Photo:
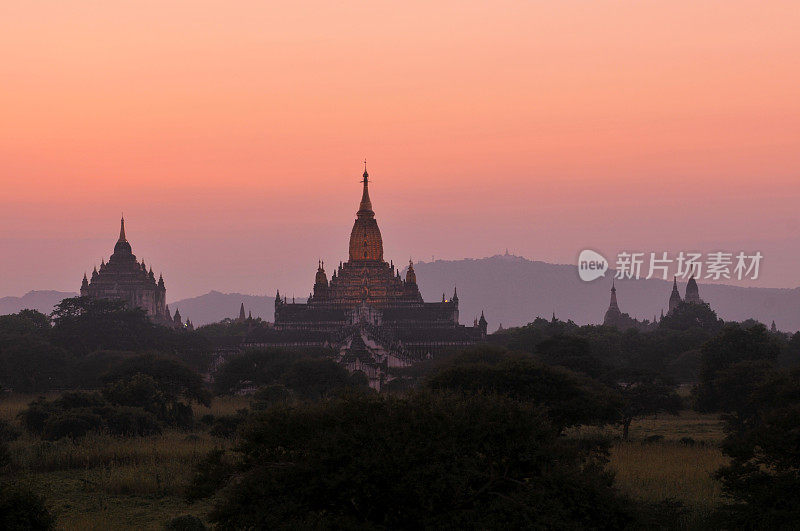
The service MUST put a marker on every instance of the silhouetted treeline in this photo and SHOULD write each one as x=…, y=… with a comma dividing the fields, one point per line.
x=82, y=339
x=471, y=438
x=672, y=350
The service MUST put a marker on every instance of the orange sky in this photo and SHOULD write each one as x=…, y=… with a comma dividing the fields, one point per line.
x=230, y=133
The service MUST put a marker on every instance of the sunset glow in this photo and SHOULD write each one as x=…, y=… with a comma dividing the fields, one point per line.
x=231, y=134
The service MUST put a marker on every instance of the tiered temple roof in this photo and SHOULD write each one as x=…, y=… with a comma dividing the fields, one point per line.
x=368, y=297
x=124, y=278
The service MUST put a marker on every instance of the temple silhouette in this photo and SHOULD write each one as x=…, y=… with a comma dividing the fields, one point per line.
x=371, y=316
x=123, y=278
x=616, y=318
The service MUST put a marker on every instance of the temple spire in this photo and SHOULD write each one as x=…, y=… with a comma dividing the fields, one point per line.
x=122, y=229
x=613, y=306
x=366, y=204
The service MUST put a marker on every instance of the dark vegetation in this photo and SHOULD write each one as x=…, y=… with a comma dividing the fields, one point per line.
x=427, y=460
x=482, y=438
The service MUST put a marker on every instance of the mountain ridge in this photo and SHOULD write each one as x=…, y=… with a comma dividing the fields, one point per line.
x=510, y=290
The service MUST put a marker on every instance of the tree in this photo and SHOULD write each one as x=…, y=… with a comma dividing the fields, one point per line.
x=174, y=379
x=32, y=364
x=21, y=509
x=733, y=345
x=692, y=315
x=305, y=375
x=315, y=378
x=74, y=414
x=367, y=461
x=85, y=324
x=571, y=352
x=643, y=394
x=569, y=399
x=162, y=386
x=763, y=477
x=253, y=368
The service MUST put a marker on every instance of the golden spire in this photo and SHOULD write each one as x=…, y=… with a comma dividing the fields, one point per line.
x=366, y=204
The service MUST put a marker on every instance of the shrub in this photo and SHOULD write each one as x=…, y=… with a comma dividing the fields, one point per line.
x=212, y=473
x=131, y=421
x=5, y=455
x=187, y=522
x=225, y=426
x=423, y=461
x=569, y=399
x=75, y=414
x=8, y=432
x=306, y=376
x=22, y=509
x=270, y=395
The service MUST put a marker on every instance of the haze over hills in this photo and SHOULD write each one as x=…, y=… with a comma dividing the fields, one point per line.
x=215, y=306
x=511, y=290
x=43, y=301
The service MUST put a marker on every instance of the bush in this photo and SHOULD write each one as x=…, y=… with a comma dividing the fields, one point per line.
x=75, y=414
x=569, y=399
x=423, y=461
x=212, y=473
x=305, y=376
x=131, y=421
x=8, y=432
x=5, y=455
x=186, y=522
x=225, y=426
x=270, y=395
x=72, y=425
x=21, y=509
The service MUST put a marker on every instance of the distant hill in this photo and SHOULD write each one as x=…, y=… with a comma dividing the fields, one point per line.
x=215, y=306
x=513, y=290
x=43, y=301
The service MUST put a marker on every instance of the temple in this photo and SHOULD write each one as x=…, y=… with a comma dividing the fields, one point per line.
x=614, y=316
x=370, y=314
x=674, y=297
x=691, y=296
x=125, y=279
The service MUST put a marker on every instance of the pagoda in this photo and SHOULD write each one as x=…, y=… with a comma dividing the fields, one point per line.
x=124, y=278
x=367, y=311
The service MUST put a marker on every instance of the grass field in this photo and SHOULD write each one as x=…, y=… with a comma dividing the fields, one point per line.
x=669, y=468
x=105, y=482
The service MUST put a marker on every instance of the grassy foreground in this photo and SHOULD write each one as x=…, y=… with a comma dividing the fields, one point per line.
x=672, y=468
x=104, y=482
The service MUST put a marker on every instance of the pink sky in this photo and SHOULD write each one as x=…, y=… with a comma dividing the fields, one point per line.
x=230, y=134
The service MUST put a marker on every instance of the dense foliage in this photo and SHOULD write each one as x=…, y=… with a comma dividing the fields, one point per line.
x=472, y=438
x=21, y=509
x=760, y=402
x=423, y=461
x=569, y=399
x=142, y=395
x=38, y=353
x=310, y=374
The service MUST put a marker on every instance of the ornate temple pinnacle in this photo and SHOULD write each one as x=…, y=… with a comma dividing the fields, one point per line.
x=122, y=230
x=366, y=205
